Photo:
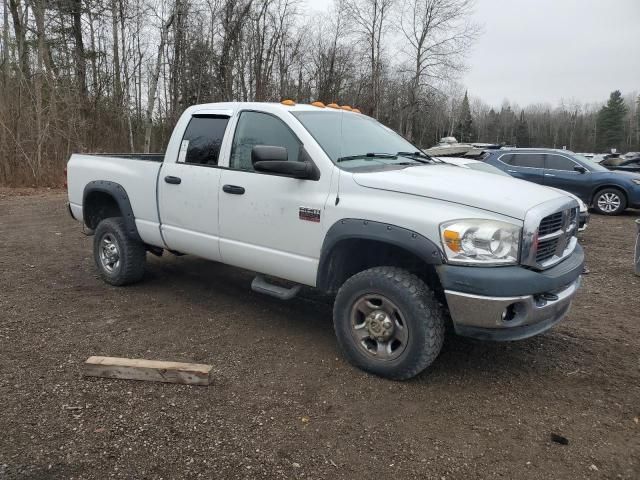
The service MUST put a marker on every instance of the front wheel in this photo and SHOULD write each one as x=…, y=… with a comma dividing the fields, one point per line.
x=388, y=322
x=120, y=259
x=610, y=201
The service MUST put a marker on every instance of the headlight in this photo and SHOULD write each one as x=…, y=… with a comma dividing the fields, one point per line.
x=485, y=242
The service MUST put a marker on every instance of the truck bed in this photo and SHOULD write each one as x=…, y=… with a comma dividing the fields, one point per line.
x=149, y=157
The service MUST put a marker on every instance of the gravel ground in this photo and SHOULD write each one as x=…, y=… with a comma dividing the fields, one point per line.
x=284, y=404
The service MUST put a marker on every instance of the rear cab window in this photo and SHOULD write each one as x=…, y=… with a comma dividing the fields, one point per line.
x=202, y=140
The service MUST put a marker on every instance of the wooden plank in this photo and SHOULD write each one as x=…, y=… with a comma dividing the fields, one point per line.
x=150, y=370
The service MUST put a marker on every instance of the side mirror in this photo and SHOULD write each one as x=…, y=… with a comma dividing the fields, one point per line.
x=270, y=159
x=580, y=169
x=268, y=153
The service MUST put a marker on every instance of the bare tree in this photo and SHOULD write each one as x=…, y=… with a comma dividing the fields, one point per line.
x=438, y=34
x=153, y=83
x=372, y=20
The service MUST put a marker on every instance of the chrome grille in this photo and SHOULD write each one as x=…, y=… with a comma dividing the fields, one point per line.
x=550, y=223
x=549, y=235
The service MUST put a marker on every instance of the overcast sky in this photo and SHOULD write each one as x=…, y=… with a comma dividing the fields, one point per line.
x=546, y=50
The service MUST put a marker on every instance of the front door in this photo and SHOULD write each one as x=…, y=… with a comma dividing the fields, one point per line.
x=188, y=189
x=270, y=223
x=559, y=172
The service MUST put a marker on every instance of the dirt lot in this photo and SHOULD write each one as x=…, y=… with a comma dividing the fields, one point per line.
x=284, y=404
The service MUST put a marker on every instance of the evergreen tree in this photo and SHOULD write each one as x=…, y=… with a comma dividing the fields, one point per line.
x=522, y=132
x=465, y=129
x=610, y=122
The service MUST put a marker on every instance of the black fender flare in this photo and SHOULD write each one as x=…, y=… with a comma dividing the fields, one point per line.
x=354, y=228
x=119, y=194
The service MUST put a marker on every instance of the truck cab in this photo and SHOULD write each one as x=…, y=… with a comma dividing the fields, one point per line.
x=326, y=197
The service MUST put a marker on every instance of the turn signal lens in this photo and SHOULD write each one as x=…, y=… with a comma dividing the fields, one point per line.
x=452, y=240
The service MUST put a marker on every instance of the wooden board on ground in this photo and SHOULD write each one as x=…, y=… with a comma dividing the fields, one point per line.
x=150, y=370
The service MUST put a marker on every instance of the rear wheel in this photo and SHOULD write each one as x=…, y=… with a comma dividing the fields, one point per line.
x=119, y=258
x=388, y=322
x=610, y=201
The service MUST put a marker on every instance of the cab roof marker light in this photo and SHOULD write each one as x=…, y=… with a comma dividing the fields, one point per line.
x=355, y=110
x=318, y=104
x=346, y=107
x=334, y=105
x=288, y=103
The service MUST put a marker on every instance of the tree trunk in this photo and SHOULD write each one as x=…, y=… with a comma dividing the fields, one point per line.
x=153, y=85
x=79, y=55
x=117, y=82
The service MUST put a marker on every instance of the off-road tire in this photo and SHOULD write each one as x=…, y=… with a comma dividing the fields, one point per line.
x=611, y=191
x=132, y=253
x=421, y=311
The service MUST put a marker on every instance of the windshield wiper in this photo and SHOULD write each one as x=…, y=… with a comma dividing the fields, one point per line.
x=419, y=157
x=366, y=156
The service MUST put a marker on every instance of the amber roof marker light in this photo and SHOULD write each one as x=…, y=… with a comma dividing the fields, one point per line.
x=333, y=105
x=346, y=107
x=318, y=104
x=288, y=103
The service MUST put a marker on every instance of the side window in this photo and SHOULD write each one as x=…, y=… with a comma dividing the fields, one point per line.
x=202, y=140
x=255, y=128
x=530, y=160
x=508, y=159
x=557, y=162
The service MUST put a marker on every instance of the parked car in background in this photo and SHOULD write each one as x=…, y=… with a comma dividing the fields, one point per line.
x=626, y=165
x=609, y=193
x=486, y=167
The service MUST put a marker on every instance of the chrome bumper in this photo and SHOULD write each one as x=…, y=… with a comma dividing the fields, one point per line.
x=509, y=318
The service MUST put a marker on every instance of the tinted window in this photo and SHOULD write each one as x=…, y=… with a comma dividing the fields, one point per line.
x=202, y=140
x=255, y=128
x=531, y=160
x=557, y=162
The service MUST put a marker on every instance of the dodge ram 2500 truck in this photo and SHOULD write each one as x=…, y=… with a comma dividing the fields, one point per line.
x=332, y=199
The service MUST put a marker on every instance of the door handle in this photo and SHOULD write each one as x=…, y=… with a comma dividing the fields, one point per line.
x=512, y=171
x=233, y=189
x=549, y=175
x=173, y=180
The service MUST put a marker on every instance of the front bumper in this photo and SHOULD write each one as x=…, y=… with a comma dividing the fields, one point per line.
x=510, y=303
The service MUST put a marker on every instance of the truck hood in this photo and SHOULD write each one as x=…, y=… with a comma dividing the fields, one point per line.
x=487, y=191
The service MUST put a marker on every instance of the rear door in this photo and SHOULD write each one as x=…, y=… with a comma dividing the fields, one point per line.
x=188, y=188
x=527, y=166
x=559, y=172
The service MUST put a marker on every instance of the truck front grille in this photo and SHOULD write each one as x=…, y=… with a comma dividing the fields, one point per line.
x=549, y=235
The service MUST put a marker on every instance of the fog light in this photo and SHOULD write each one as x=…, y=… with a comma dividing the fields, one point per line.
x=509, y=313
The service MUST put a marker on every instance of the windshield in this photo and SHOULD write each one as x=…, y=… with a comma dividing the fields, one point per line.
x=356, y=140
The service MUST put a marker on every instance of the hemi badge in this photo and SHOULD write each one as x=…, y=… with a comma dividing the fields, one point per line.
x=309, y=214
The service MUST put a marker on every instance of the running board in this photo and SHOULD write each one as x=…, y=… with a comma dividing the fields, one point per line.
x=261, y=285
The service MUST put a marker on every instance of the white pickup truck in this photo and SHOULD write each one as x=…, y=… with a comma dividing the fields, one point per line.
x=330, y=198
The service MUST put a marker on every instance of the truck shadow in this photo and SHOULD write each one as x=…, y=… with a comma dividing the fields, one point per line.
x=307, y=320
